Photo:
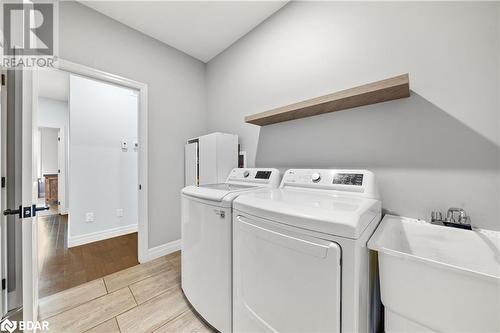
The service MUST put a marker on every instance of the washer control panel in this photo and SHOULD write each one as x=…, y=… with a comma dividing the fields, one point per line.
x=356, y=181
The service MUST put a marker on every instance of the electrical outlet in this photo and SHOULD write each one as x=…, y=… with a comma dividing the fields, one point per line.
x=119, y=212
x=89, y=217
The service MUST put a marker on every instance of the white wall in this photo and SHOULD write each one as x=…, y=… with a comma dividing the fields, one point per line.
x=103, y=176
x=176, y=100
x=436, y=149
x=52, y=113
x=48, y=151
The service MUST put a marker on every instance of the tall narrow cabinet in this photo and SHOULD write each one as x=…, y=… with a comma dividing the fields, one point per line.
x=210, y=158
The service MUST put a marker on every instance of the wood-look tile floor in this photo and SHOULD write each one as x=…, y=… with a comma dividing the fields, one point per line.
x=61, y=267
x=143, y=298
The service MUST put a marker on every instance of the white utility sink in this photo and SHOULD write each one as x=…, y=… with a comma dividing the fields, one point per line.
x=437, y=279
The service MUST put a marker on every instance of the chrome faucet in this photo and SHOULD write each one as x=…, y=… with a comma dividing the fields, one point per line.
x=462, y=222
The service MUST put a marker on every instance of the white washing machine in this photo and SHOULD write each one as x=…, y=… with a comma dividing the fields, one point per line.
x=300, y=260
x=207, y=240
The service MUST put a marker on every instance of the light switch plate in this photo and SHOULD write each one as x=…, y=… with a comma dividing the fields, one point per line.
x=119, y=212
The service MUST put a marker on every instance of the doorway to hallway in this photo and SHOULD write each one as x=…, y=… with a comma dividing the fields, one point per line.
x=88, y=176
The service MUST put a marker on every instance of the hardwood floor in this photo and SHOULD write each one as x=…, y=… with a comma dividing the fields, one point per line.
x=62, y=268
x=143, y=298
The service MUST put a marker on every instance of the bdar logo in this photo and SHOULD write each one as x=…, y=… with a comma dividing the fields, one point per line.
x=8, y=325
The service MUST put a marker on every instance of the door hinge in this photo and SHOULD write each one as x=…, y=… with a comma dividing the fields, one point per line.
x=140, y=187
x=4, y=284
x=58, y=170
x=3, y=182
x=3, y=79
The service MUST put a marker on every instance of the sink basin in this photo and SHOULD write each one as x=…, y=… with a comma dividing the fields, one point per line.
x=437, y=279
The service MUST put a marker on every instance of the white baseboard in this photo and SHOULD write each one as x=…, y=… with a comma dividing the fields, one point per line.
x=162, y=250
x=101, y=235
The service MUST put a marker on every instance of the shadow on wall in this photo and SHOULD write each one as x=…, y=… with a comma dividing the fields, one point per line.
x=406, y=133
x=424, y=159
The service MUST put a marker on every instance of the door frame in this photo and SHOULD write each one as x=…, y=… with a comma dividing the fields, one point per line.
x=142, y=128
x=3, y=192
x=29, y=195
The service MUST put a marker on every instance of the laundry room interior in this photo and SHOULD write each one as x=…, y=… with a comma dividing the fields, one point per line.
x=294, y=166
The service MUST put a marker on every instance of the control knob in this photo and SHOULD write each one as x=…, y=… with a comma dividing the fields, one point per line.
x=246, y=173
x=316, y=177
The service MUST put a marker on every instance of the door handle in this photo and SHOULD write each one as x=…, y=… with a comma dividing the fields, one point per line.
x=35, y=209
x=26, y=212
x=18, y=212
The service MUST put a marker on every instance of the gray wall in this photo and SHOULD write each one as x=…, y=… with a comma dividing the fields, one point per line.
x=436, y=149
x=176, y=100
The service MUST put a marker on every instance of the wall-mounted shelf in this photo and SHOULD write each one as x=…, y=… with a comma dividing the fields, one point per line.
x=376, y=92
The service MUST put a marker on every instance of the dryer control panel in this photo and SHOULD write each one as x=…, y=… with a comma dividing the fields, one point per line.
x=360, y=182
x=255, y=176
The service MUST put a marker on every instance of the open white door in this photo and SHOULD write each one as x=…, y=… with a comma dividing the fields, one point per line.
x=18, y=121
x=18, y=166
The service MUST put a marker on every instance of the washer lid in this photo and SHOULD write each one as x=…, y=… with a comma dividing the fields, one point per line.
x=316, y=210
x=214, y=192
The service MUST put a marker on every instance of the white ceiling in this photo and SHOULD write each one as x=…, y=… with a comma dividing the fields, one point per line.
x=53, y=84
x=201, y=29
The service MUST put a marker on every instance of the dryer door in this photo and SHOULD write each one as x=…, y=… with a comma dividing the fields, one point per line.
x=206, y=261
x=283, y=281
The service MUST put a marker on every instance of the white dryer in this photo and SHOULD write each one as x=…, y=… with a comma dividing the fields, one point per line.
x=207, y=240
x=300, y=260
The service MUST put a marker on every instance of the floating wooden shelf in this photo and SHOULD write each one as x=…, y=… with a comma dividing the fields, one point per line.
x=371, y=93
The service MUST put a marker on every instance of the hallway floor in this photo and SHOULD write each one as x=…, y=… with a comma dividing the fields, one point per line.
x=61, y=267
x=143, y=298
